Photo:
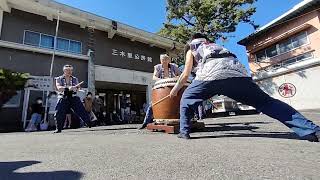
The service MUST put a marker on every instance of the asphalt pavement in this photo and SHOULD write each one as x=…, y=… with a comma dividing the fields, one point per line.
x=238, y=147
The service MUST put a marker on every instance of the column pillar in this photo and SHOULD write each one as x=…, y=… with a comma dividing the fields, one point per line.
x=1, y=20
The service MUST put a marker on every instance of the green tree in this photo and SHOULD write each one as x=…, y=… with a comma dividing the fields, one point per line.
x=215, y=18
x=10, y=83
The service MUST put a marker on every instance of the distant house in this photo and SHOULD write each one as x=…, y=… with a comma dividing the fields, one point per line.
x=284, y=56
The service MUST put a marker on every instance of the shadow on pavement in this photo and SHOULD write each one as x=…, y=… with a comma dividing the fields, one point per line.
x=7, y=172
x=243, y=123
x=248, y=126
x=229, y=128
x=279, y=135
x=93, y=129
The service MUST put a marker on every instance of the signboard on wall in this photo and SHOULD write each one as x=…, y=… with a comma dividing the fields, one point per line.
x=40, y=83
x=131, y=55
x=124, y=53
x=287, y=90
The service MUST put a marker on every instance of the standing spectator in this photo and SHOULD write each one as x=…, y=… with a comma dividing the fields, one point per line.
x=67, y=121
x=133, y=112
x=123, y=105
x=208, y=108
x=52, y=103
x=36, y=115
x=97, y=109
x=88, y=102
x=144, y=107
x=200, y=111
x=88, y=105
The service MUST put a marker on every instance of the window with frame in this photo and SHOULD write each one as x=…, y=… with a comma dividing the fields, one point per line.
x=47, y=41
x=31, y=38
x=291, y=61
x=272, y=51
x=299, y=40
x=261, y=55
x=282, y=47
x=285, y=46
x=63, y=44
x=75, y=47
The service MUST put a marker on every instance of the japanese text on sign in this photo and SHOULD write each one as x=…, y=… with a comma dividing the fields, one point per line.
x=130, y=55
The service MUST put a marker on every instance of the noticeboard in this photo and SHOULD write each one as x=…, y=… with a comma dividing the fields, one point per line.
x=40, y=83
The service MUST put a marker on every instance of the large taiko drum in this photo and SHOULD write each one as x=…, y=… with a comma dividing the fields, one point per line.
x=166, y=108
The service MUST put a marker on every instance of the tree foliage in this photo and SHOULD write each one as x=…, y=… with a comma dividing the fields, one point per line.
x=215, y=18
x=10, y=83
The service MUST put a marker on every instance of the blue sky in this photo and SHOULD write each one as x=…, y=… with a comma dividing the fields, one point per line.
x=149, y=15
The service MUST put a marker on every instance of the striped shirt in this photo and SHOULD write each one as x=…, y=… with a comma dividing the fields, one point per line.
x=209, y=69
x=173, y=70
x=63, y=82
x=220, y=68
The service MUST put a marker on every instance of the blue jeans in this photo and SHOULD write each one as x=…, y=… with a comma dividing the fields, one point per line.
x=36, y=118
x=63, y=107
x=149, y=116
x=246, y=91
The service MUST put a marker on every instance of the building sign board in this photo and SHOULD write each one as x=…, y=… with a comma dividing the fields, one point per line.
x=130, y=55
x=40, y=83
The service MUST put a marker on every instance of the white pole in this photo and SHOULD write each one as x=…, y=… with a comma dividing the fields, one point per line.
x=25, y=107
x=52, y=62
x=55, y=44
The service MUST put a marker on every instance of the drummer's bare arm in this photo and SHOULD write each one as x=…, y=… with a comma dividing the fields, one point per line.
x=185, y=74
x=59, y=87
x=154, y=77
x=188, y=68
x=77, y=87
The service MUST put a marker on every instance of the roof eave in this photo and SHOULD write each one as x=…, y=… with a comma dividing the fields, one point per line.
x=50, y=9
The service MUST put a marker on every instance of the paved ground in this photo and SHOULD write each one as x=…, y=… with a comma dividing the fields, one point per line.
x=246, y=147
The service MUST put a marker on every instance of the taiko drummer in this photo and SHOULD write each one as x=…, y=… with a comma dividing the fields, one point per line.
x=161, y=71
x=218, y=71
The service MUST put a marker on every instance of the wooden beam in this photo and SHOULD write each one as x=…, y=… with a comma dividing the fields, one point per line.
x=4, y=6
x=111, y=33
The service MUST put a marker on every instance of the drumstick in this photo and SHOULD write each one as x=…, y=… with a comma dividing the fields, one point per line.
x=79, y=84
x=160, y=100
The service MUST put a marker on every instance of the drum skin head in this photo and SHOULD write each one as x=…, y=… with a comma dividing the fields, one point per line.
x=170, y=107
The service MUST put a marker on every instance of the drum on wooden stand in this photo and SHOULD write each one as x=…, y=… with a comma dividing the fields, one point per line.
x=166, y=108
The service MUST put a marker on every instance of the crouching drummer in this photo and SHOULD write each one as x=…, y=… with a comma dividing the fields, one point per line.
x=161, y=71
x=67, y=86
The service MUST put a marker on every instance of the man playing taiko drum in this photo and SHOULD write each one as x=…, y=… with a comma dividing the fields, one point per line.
x=161, y=71
x=218, y=71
